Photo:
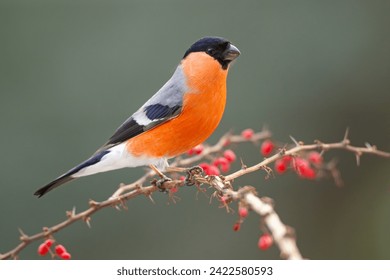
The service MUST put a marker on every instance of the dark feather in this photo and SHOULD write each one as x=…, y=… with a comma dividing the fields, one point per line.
x=57, y=182
x=157, y=113
x=127, y=130
x=68, y=175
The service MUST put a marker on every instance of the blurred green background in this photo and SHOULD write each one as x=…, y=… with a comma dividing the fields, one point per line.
x=72, y=71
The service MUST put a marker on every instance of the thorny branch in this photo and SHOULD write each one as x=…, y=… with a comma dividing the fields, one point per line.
x=223, y=185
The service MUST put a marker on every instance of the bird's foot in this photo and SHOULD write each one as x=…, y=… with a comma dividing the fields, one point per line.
x=191, y=173
x=160, y=183
x=163, y=178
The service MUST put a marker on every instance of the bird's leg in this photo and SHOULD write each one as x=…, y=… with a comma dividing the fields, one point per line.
x=160, y=183
x=163, y=178
x=191, y=172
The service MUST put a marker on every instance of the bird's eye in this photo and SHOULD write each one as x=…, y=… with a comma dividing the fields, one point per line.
x=210, y=51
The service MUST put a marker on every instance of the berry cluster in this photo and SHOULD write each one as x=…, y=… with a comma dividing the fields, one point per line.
x=218, y=165
x=305, y=165
x=59, y=249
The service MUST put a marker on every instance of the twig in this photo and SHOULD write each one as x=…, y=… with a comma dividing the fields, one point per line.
x=85, y=215
x=282, y=234
x=344, y=145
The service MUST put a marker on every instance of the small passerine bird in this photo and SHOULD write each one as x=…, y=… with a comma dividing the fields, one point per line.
x=181, y=115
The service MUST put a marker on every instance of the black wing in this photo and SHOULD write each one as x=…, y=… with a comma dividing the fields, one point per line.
x=155, y=114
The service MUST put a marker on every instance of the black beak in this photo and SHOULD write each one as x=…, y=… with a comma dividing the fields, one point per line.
x=231, y=53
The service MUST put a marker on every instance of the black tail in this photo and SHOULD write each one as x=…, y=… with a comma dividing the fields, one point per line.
x=68, y=175
x=57, y=182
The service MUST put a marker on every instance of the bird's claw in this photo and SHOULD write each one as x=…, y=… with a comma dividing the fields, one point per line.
x=159, y=183
x=195, y=170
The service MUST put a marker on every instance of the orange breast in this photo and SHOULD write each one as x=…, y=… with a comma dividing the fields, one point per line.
x=203, y=107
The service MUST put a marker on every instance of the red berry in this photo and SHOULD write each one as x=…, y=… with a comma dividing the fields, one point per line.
x=222, y=163
x=236, y=226
x=60, y=250
x=247, y=133
x=225, y=167
x=205, y=166
x=243, y=212
x=65, y=256
x=229, y=155
x=49, y=242
x=212, y=170
x=299, y=164
x=302, y=167
x=287, y=159
x=280, y=166
x=197, y=150
x=267, y=147
x=43, y=249
x=265, y=241
x=315, y=157
x=308, y=173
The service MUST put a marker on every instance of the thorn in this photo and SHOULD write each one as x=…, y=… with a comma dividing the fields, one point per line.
x=93, y=203
x=243, y=165
x=369, y=146
x=282, y=151
x=87, y=221
x=23, y=236
x=70, y=214
x=346, y=135
x=295, y=141
x=151, y=199
x=357, y=159
x=124, y=205
x=268, y=170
